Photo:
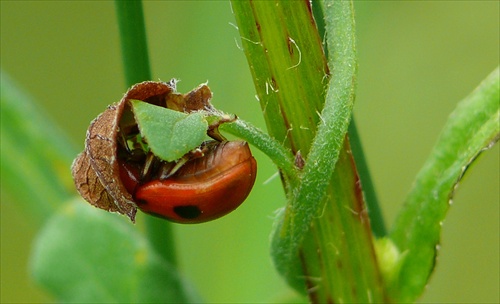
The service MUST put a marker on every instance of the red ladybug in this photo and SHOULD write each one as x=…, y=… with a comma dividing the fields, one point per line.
x=203, y=189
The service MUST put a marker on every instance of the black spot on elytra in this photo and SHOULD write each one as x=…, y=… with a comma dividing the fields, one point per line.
x=187, y=212
x=141, y=202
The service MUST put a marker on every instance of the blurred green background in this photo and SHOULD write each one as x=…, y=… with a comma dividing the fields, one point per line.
x=416, y=61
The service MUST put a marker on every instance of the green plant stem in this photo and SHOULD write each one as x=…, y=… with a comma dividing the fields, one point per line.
x=322, y=242
x=374, y=212
x=281, y=156
x=133, y=41
x=136, y=64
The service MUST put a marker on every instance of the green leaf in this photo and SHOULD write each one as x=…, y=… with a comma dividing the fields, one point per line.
x=472, y=128
x=35, y=156
x=85, y=255
x=170, y=134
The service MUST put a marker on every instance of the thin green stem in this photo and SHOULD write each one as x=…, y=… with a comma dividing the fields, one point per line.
x=374, y=212
x=133, y=41
x=281, y=156
x=136, y=63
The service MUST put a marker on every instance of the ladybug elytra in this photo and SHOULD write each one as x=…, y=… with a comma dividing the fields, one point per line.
x=202, y=189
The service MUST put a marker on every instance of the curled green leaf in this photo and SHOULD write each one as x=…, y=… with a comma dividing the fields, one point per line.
x=472, y=128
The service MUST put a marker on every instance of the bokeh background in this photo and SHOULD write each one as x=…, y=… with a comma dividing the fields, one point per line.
x=416, y=61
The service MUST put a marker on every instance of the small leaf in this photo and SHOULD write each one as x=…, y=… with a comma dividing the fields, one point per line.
x=170, y=134
x=85, y=255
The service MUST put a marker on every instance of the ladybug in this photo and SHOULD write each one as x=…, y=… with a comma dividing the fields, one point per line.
x=203, y=189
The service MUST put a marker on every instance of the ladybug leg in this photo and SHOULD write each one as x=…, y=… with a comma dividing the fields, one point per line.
x=123, y=141
x=168, y=169
x=150, y=164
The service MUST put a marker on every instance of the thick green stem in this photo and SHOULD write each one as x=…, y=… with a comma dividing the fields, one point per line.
x=322, y=242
